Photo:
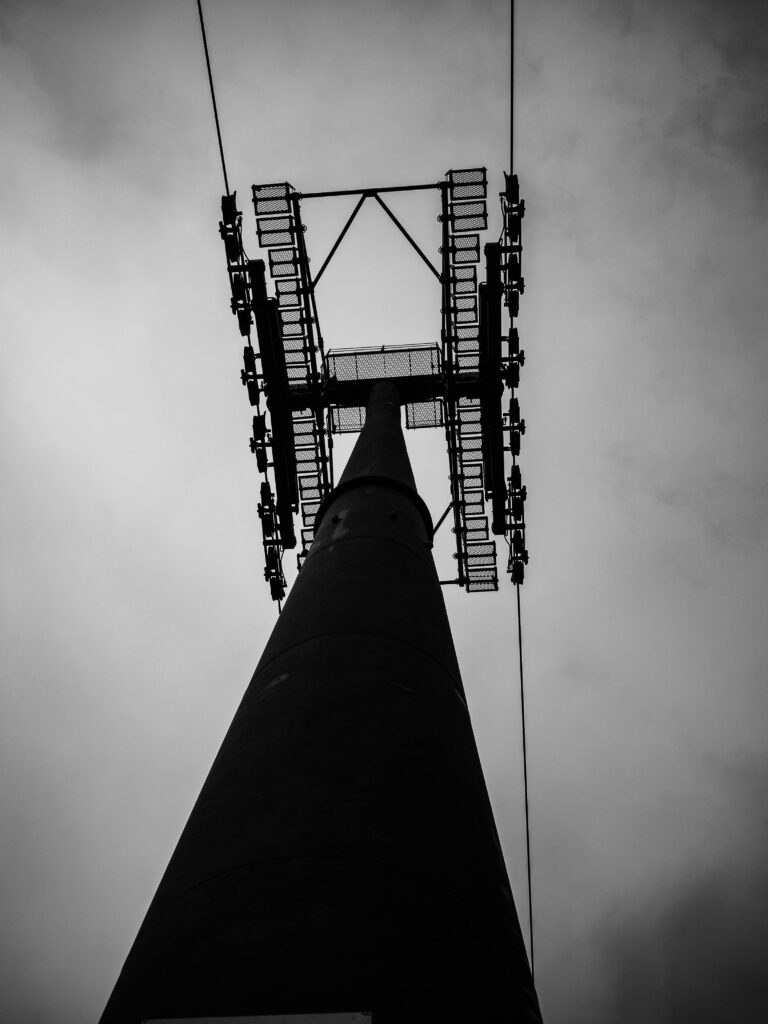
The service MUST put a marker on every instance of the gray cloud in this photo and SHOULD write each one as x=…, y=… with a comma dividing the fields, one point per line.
x=696, y=959
x=716, y=110
x=136, y=118
x=133, y=611
x=696, y=951
x=689, y=947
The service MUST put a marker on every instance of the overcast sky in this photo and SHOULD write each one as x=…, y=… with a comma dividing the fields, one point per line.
x=133, y=608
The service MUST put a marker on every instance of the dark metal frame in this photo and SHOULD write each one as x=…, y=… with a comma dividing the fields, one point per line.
x=368, y=193
x=291, y=372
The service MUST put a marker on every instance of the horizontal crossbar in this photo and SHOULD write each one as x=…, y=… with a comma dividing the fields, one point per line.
x=349, y=393
x=371, y=191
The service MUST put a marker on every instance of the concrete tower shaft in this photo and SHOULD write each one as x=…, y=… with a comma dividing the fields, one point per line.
x=342, y=854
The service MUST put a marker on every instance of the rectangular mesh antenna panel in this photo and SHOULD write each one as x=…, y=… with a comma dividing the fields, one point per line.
x=347, y=421
x=268, y=237
x=465, y=309
x=272, y=207
x=283, y=263
x=467, y=333
x=462, y=274
x=473, y=503
x=460, y=211
x=305, y=458
x=309, y=489
x=466, y=185
x=476, y=528
x=467, y=176
x=293, y=332
x=288, y=293
x=468, y=362
x=272, y=200
x=473, y=474
x=309, y=511
x=459, y=193
x=465, y=248
x=482, y=582
x=293, y=345
x=469, y=216
x=465, y=302
x=292, y=315
x=482, y=551
x=424, y=414
x=466, y=285
x=467, y=345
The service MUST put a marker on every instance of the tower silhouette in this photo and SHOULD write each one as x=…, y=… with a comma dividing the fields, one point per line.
x=342, y=855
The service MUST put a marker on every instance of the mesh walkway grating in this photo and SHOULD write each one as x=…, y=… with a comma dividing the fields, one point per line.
x=380, y=363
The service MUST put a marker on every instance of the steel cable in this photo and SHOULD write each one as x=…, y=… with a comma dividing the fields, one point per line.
x=213, y=94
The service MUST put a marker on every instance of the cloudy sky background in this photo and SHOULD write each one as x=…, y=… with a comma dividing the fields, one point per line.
x=133, y=609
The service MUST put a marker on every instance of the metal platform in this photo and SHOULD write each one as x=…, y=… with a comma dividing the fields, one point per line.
x=415, y=369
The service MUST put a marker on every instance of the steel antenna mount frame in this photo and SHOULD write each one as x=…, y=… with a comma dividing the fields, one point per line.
x=302, y=395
